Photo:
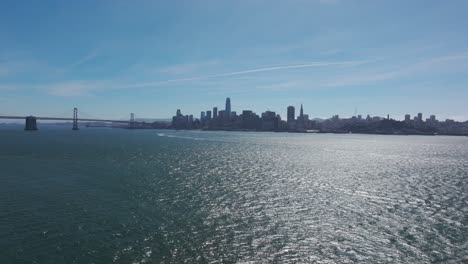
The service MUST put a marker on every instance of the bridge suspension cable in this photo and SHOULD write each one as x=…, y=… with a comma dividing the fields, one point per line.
x=68, y=113
x=86, y=115
x=131, y=117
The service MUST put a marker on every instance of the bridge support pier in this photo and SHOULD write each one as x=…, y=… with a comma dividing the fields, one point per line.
x=132, y=120
x=31, y=124
x=75, y=119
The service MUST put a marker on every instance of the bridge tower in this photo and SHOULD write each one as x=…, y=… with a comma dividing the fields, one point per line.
x=132, y=120
x=75, y=119
x=31, y=124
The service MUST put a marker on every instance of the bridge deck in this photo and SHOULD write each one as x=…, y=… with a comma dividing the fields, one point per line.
x=68, y=119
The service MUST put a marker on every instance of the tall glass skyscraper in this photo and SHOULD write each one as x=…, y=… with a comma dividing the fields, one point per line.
x=228, y=106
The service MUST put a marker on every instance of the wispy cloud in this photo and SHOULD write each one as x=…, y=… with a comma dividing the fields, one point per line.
x=373, y=75
x=6, y=87
x=10, y=68
x=357, y=72
x=328, y=1
x=90, y=56
x=75, y=88
x=286, y=67
x=253, y=71
x=188, y=68
x=69, y=67
x=30, y=66
x=88, y=87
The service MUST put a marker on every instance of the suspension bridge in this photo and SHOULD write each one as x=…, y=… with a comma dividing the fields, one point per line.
x=31, y=121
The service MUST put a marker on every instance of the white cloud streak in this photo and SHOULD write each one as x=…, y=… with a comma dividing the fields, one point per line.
x=369, y=74
x=86, y=88
x=328, y=1
x=10, y=68
x=373, y=75
x=252, y=71
x=84, y=59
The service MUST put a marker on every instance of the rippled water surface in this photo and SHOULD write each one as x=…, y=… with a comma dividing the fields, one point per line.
x=146, y=196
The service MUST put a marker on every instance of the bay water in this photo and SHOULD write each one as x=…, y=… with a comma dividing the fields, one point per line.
x=160, y=196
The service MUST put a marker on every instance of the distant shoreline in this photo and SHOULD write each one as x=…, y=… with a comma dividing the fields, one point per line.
x=390, y=133
x=324, y=132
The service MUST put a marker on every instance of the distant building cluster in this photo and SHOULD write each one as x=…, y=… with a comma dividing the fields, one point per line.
x=248, y=120
x=387, y=125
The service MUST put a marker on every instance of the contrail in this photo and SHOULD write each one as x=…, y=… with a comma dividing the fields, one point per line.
x=297, y=66
x=264, y=69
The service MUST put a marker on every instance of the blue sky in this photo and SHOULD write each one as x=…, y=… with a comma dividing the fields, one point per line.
x=110, y=58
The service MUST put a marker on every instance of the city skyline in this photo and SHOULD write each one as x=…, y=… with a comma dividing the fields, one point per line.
x=291, y=114
x=113, y=58
x=248, y=120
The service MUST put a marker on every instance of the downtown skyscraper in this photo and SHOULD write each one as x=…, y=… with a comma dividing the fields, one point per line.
x=227, y=110
x=228, y=106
